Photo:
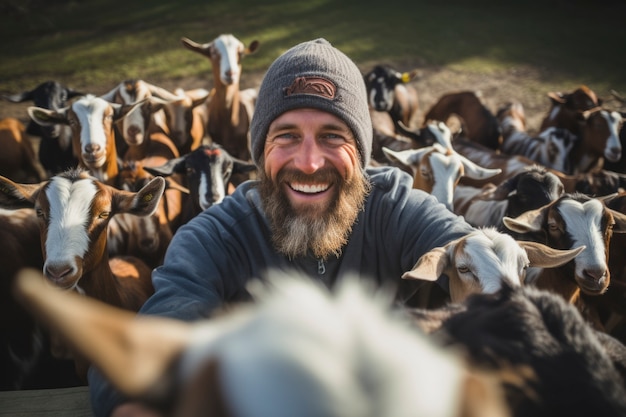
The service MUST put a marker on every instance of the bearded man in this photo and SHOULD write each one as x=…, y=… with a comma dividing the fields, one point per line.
x=317, y=208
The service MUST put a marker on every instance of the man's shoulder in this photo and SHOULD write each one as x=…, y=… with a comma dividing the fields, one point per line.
x=387, y=178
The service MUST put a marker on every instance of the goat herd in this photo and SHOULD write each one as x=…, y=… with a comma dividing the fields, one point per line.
x=533, y=324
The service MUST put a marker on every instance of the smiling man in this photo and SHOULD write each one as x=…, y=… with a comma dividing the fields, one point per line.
x=317, y=207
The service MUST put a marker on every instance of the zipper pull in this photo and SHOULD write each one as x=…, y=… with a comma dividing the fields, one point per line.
x=321, y=268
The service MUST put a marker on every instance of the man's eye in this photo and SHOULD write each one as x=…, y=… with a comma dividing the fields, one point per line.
x=334, y=139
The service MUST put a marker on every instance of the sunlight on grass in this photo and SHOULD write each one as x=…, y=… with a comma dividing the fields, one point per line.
x=91, y=43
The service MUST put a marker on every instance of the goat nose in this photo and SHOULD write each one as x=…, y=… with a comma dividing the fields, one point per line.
x=92, y=148
x=595, y=274
x=57, y=272
x=133, y=130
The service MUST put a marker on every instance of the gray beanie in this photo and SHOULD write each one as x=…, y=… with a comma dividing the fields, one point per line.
x=315, y=75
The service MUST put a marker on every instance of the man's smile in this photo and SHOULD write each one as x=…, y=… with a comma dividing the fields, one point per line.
x=309, y=188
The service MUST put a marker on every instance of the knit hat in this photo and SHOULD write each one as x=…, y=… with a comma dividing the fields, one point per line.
x=315, y=75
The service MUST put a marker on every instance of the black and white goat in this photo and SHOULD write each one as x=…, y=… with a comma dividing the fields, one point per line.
x=550, y=360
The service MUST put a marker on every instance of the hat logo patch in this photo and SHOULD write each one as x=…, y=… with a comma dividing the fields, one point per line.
x=312, y=85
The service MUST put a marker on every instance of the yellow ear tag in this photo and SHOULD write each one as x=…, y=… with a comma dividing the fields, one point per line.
x=147, y=197
x=406, y=77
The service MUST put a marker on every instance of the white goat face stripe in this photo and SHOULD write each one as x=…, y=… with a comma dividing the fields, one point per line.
x=70, y=211
x=445, y=171
x=229, y=47
x=613, y=119
x=90, y=112
x=583, y=223
x=217, y=190
x=494, y=258
x=134, y=118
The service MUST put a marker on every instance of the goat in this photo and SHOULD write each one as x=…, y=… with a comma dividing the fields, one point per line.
x=17, y=160
x=597, y=139
x=478, y=124
x=570, y=221
x=404, y=139
x=566, y=108
x=551, y=361
x=93, y=138
x=594, y=183
x=437, y=170
x=145, y=237
x=74, y=210
x=315, y=353
x=486, y=206
x=552, y=148
x=185, y=118
x=132, y=91
x=151, y=146
x=55, y=147
x=389, y=91
x=25, y=357
x=229, y=109
x=483, y=261
x=207, y=172
x=612, y=310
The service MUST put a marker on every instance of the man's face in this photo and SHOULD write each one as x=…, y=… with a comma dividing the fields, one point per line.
x=312, y=185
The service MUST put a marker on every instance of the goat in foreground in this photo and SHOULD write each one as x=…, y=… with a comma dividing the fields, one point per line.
x=315, y=354
x=561, y=365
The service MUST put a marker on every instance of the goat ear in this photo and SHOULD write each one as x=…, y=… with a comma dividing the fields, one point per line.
x=195, y=46
x=530, y=221
x=15, y=196
x=429, y=266
x=147, y=199
x=253, y=47
x=242, y=166
x=557, y=97
x=408, y=157
x=133, y=353
x=142, y=203
x=173, y=166
x=620, y=221
x=46, y=117
x=543, y=256
x=476, y=171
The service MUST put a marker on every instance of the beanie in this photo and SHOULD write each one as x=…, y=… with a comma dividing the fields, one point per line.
x=313, y=74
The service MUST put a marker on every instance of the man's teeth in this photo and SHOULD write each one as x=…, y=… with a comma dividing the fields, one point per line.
x=311, y=189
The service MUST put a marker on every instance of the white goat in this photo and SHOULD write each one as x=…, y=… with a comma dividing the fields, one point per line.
x=483, y=260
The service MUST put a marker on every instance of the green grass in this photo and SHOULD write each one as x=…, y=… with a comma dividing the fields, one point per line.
x=97, y=43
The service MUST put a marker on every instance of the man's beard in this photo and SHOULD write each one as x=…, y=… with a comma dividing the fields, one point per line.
x=322, y=230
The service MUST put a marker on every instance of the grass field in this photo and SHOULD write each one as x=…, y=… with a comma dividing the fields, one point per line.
x=533, y=46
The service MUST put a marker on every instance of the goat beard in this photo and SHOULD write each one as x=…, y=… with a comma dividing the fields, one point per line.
x=322, y=230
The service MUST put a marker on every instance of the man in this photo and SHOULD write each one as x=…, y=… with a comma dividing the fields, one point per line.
x=315, y=209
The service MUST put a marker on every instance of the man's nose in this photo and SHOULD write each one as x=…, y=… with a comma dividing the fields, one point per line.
x=310, y=156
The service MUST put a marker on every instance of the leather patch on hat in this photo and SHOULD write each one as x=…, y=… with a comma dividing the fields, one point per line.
x=312, y=85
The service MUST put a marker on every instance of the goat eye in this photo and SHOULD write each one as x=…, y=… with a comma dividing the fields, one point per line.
x=40, y=213
x=463, y=269
x=104, y=215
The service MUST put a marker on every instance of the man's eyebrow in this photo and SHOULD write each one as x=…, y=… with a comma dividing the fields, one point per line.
x=282, y=126
x=336, y=126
